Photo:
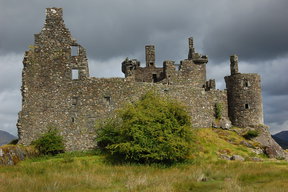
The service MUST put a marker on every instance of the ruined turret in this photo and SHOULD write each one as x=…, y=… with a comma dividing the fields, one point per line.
x=194, y=68
x=244, y=96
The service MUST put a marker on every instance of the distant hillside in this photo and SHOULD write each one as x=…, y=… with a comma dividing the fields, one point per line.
x=282, y=139
x=6, y=137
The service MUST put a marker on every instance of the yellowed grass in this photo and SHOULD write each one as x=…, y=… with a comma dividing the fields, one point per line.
x=90, y=174
x=206, y=173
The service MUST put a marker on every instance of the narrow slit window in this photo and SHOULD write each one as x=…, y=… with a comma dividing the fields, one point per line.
x=107, y=99
x=247, y=106
x=74, y=50
x=72, y=119
x=247, y=84
x=75, y=74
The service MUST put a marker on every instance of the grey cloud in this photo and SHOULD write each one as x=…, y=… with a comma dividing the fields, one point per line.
x=112, y=30
x=277, y=127
x=10, y=73
x=10, y=105
x=276, y=108
x=255, y=30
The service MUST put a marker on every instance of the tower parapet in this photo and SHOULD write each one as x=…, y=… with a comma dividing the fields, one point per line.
x=244, y=96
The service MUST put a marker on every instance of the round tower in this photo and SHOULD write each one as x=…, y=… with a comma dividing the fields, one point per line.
x=245, y=106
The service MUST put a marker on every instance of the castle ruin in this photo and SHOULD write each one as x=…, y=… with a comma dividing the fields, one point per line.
x=58, y=92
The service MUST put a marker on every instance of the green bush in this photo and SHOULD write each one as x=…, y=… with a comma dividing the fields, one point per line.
x=50, y=143
x=251, y=134
x=152, y=130
x=218, y=110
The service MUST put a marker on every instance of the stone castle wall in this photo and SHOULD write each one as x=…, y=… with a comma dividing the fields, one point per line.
x=76, y=107
x=58, y=92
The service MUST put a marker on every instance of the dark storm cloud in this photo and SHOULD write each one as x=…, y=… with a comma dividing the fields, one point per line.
x=276, y=109
x=255, y=30
x=106, y=28
x=111, y=30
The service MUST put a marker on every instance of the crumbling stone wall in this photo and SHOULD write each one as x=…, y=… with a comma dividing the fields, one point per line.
x=58, y=92
x=191, y=71
x=98, y=98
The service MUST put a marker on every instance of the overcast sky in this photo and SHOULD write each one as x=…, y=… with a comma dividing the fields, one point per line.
x=111, y=30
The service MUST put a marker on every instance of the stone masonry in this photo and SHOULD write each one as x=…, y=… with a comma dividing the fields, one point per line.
x=58, y=92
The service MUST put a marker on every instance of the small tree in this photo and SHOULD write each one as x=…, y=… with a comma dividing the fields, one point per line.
x=50, y=143
x=152, y=130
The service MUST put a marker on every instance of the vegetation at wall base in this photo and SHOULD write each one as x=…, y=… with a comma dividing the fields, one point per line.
x=218, y=110
x=151, y=130
x=50, y=143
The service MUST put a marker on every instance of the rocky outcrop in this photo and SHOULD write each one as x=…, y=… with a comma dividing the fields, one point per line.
x=222, y=123
x=12, y=154
x=269, y=146
x=237, y=158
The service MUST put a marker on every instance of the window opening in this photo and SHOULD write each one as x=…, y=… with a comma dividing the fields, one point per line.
x=154, y=77
x=246, y=84
x=72, y=119
x=247, y=106
x=74, y=50
x=107, y=99
x=75, y=74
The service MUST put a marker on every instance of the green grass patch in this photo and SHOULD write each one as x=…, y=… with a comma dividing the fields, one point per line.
x=89, y=171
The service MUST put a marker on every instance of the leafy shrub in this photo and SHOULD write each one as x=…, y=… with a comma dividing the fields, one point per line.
x=50, y=143
x=218, y=110
x=251, y=134
x=152, y=130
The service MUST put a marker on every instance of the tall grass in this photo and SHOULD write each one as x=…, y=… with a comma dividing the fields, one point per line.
x=92, y=173
x=86, y=172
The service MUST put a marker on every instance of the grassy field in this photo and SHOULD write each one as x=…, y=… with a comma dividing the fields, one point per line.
x=204, y=172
